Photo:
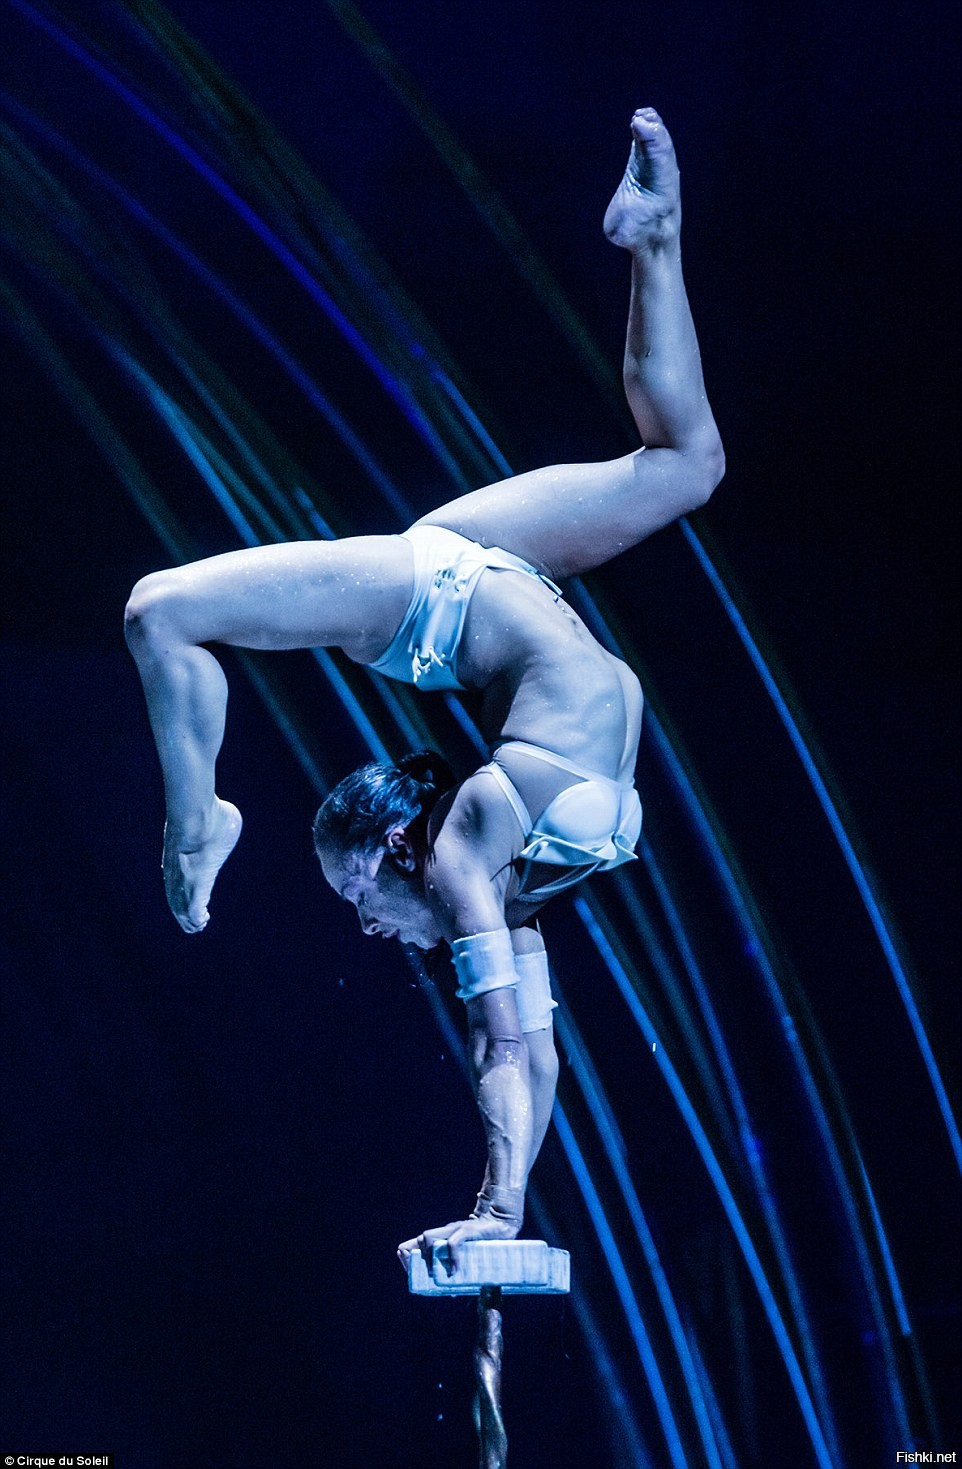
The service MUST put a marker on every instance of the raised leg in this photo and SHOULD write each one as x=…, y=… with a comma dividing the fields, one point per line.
x=351, y=594
x=569, y=518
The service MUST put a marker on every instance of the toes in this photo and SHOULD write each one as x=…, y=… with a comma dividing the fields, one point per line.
x=648, y=131
x=646, y=120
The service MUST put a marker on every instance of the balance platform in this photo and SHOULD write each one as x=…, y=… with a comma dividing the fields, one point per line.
x=520, y=1267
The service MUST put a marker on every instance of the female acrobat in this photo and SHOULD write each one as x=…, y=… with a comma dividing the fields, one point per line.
x=466, y=598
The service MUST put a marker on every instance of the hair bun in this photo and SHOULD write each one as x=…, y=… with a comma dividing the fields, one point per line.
x=428, y=768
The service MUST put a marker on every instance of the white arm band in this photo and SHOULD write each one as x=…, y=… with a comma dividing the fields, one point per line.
x=484, y=962
x=533, y=991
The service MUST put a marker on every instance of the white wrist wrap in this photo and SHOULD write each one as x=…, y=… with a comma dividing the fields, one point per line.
x=484, y=962
x=533, y=991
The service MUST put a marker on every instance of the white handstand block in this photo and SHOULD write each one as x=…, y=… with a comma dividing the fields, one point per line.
x=518, y=1267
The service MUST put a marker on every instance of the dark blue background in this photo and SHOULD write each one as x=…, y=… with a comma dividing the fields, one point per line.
x=216, y=1144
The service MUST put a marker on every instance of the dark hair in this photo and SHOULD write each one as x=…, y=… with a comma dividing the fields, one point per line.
x=362, y=808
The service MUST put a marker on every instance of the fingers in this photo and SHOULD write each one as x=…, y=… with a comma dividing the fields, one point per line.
x=445, y=1240
x=430, y=1240
x=406, y=1250
x=449, y=1239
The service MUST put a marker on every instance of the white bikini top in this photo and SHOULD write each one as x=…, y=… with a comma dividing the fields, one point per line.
x=594, y=824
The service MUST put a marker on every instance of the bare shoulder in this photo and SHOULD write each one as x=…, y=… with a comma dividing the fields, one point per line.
x=470, y=878
x=474, y=824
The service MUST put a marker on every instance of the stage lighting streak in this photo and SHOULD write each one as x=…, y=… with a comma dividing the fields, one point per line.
x=898, y=1299
x=608, y=1131
x=673, y=990
x=374, y=285
x=298, y=374
x=905, y=1326
x=224, y=481
x=717, y=1176
x=749, y=1147
x=397, y=390
x=622, y=1284
x=144, y=494
x=483, y=196
x=97, y=423
x=340, y=685
x=756, y=949
x=471, y=418
x=870, y=900
x=176, y=422
x=725, y=1446
x=467, y=724
x=189, y=437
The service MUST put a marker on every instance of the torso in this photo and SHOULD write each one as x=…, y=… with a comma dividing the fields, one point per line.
x=543, y=679
x=546, y=681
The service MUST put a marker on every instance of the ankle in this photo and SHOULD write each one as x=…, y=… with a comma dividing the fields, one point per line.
x=661, y=238
x=187, y=830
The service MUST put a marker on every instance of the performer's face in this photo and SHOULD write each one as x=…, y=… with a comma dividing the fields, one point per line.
x=387, y=890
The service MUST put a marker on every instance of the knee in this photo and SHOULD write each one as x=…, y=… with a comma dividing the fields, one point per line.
x=149, y=609
x=710, y=472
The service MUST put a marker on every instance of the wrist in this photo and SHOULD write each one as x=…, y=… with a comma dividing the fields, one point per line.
x=506, y=1205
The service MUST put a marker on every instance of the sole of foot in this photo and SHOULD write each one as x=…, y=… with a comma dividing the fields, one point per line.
x=646, y=208
x=190, y=873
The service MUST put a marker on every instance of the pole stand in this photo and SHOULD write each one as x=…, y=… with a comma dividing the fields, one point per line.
x=490, y=1269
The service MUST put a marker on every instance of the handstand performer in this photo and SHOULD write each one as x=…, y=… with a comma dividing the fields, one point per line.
x=464, y=599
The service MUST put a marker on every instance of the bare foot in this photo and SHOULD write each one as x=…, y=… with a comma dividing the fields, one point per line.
x=646, y=208
x=190, y=869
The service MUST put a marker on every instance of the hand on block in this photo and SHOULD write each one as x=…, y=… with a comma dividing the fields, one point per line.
x=454, y=1235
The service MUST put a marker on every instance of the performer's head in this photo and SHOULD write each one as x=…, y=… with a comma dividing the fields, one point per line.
x=371, y=837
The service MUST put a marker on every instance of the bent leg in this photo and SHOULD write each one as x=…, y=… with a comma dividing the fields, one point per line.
x=568, y=519
x=350, y=594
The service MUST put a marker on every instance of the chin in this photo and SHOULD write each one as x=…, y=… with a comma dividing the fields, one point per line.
x=420, y=941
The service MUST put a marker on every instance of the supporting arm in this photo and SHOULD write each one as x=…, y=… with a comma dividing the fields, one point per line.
x=502, y=1085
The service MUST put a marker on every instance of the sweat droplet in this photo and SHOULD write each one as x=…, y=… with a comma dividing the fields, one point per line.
x=654, y=1044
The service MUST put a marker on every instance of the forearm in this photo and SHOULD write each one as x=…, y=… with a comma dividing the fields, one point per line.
x=662, y=368
x=543, y=1079
x=506, y=1104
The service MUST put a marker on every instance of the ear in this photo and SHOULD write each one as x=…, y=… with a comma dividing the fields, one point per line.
x=399, y=850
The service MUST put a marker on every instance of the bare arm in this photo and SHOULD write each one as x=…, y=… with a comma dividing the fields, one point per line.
x=514, y=1098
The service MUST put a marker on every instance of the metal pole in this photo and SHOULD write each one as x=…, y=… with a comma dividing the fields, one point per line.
x=492, y=1439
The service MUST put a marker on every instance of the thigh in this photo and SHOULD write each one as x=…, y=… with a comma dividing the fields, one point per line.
x=569, y=518
x=350, y=594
